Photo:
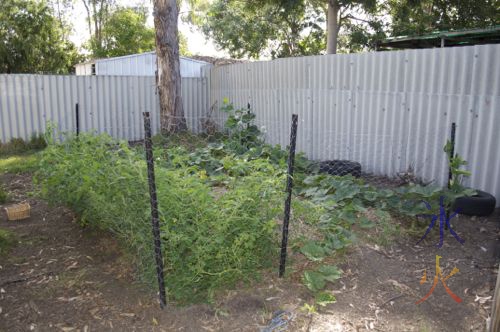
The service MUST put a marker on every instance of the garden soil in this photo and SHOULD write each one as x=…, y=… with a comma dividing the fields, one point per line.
x=62, y=277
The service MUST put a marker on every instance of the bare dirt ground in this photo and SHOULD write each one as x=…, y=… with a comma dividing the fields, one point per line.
x=61, y=277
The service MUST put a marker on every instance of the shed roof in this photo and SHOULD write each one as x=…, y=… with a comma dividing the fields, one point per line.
x=467, y=37
x=137, y=55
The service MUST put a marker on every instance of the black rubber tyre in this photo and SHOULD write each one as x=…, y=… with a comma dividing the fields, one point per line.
x=482, y=204
x=339, y=167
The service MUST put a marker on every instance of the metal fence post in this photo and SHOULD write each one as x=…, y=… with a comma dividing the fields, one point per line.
x=289, y=186
x=148, y=144
x=450, y=175
x=77, y=114
x=452, y=151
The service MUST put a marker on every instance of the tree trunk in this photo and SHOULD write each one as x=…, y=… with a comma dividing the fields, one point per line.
x=96, y=25
x=89, y=17
x=168, y=67
x=332, y=28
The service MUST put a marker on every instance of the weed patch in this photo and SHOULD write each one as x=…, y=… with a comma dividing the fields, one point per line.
x=220, y=204
x=18, y=145
x=23, y=163
x=207, y=242
x=4, y=196
x=7, y=240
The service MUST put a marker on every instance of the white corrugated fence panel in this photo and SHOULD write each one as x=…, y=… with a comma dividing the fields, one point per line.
x=107, y=104
x=391, y=111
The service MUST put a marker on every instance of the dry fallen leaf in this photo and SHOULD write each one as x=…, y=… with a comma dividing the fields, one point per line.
x=272, y=298
x=482, y=300
x=67, y=329
x=126, y=314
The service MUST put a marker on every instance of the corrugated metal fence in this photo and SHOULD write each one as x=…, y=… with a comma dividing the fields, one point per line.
x=391, y=111
x=111, y=104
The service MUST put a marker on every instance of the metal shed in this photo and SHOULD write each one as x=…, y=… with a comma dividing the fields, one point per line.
x=143, y=64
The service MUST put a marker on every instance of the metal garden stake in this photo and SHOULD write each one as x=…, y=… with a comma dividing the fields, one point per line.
x=289, y=186
x=148, y=144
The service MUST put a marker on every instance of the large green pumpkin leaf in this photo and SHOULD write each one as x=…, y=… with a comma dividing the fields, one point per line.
x=313, y=251
x=325, y=298
x=314, y=281
x=330, y=272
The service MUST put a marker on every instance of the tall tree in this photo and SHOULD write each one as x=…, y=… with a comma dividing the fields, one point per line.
x=166, y=14
x=125, y=32
x=61, y=9
x=98, y=12
x=342, y=12
x=32, y=39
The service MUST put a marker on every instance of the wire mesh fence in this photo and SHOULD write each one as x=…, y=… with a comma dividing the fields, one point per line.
x=219, y=196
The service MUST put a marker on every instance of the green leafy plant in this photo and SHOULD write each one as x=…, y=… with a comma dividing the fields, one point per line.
x=21, y=163
x=243, y=132
x=18, y=145
x=455, y=163
x=310, y=309
x=7, y=240
x=4, y=196
x=324, y=298
x=316, y=280
x=209, y=242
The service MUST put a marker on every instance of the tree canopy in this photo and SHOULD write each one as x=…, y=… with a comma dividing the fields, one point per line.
x=271, y=28
x=287, y=27
x=124, y=32
x=117, y=31
x=417, y=17
x=281, y=28
x=32, y=39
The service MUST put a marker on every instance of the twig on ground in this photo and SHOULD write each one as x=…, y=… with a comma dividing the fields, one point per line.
x=391, y=299
x=9, y=282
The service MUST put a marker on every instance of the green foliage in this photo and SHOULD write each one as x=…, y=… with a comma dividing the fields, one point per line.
x=124, y=32
x=455, y=163
x=313, y=251
x=18, y=145
x=7, y=240
x=309, y=309
x=33, y=40
x=272, y=28
x=410, y=17
x=4, y=196
x=324, y=298
x=22, y=163
x=183, y=45
x=287, y=28
x=346, y=200
x=316, y=280
x=243, y=133
x=208, y=242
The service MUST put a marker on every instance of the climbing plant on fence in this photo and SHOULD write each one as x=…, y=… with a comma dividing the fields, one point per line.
x=220, y=204
x=208, y=241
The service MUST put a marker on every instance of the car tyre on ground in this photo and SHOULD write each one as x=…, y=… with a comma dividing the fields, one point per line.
x=481, y=204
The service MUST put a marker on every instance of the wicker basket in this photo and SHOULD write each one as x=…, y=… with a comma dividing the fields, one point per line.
x=18, y=211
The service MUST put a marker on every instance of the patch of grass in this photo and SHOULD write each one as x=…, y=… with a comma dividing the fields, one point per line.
x=22, y=163
x=4, y=197
x=18, y=145
x=7, y=240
